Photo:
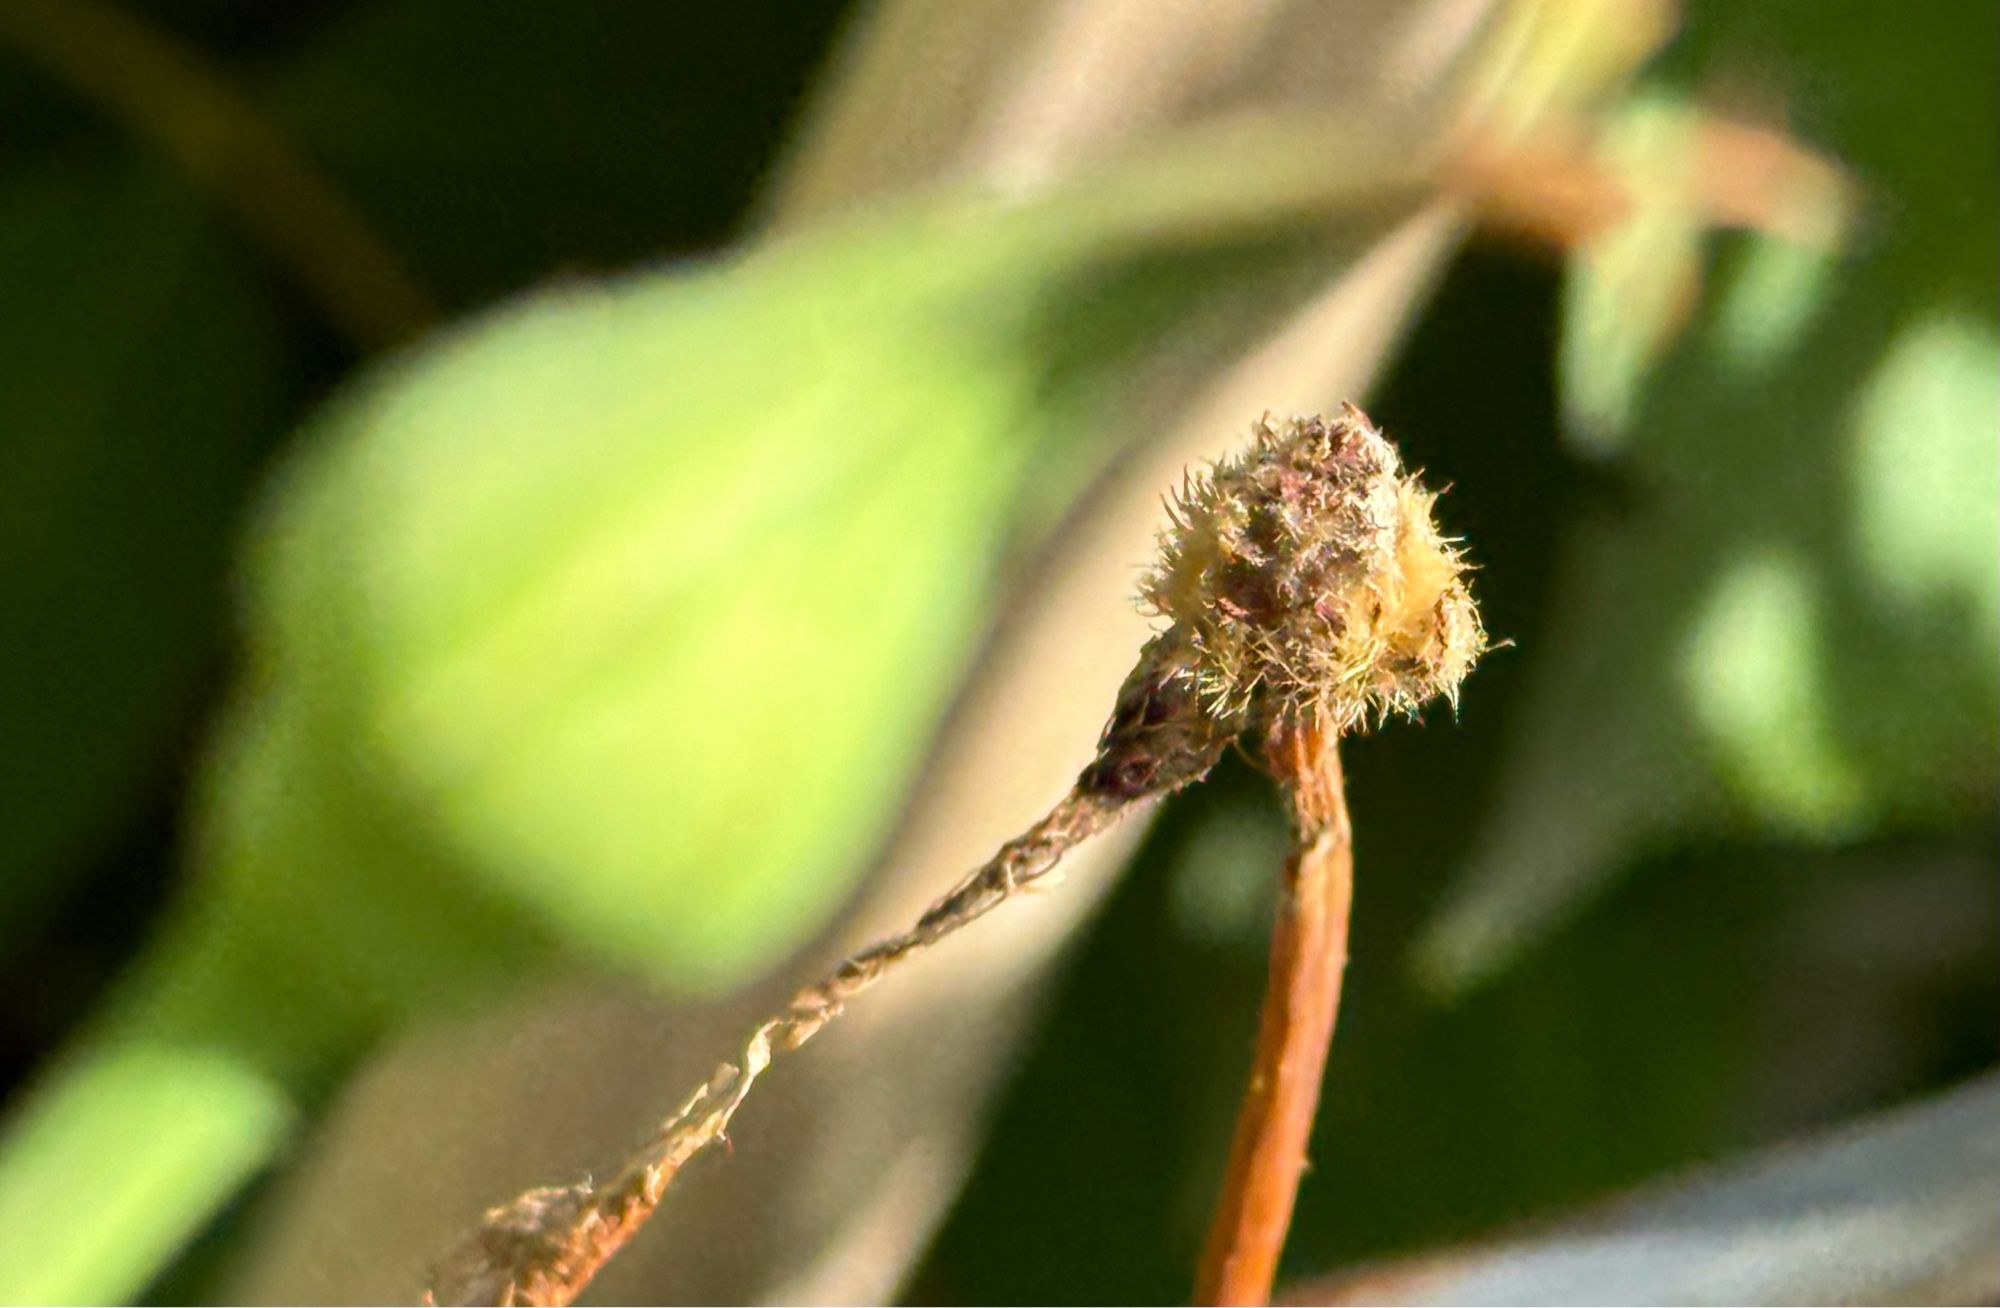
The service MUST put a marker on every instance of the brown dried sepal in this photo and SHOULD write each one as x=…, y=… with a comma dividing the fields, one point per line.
x=1159, y=737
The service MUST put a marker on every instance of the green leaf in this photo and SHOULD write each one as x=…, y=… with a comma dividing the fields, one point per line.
x=651, y=640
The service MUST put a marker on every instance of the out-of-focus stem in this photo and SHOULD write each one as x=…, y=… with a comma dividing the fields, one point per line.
x=126, y=1145
x=118, y=1156
x=164, y=92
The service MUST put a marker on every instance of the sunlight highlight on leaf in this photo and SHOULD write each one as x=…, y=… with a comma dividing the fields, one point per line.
x=1755, y=682
x=1926, y=469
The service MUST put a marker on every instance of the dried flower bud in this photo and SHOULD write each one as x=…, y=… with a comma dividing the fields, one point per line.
x=1307, y=583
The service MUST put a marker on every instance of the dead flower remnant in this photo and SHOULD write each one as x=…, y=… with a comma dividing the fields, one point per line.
x=1306, y=592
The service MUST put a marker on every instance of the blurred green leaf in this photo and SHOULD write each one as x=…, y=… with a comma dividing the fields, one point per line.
x=1631, y=287
x=646, y=597
x=607, y=630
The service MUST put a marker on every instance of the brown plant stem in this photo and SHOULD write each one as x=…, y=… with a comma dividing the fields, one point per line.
x=546, y=1245
x=1301, y=1002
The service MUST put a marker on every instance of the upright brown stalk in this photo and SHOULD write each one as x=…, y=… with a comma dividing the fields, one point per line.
x=1301, y=1003
x=1305, y=590
x=1319, y=595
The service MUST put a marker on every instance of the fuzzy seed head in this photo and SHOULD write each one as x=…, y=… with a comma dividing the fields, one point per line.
x=1307, y=583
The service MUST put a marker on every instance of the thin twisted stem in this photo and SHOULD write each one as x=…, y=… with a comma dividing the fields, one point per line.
x=547, y=1244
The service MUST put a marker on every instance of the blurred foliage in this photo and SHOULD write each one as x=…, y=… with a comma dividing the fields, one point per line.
x=113, y=522
x=1734, y=498
x=1789, y=621
x=608, y=629
x=154, y=359
x=1751, y=568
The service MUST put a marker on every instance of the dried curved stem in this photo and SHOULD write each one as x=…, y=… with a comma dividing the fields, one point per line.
x=547, y=1244
x=1301, y=1002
